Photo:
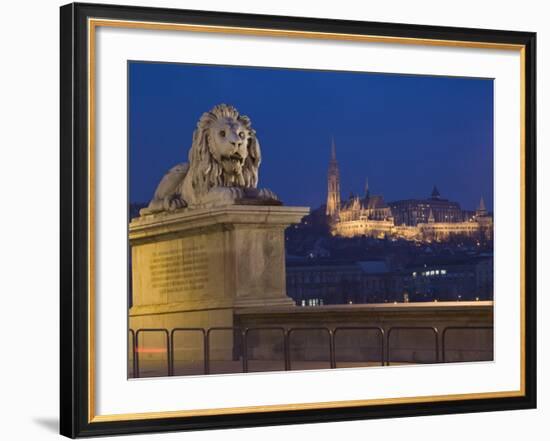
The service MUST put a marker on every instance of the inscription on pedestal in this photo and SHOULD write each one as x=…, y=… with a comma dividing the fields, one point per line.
x=180, y=270
x=209, y=259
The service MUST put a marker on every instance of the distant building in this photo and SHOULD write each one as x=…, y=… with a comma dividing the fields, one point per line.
x=417, y=211
x=450, y=280
x=423, y=220
x=323, y=282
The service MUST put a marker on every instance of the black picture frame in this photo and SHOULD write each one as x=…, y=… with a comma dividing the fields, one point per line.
x=75, y=414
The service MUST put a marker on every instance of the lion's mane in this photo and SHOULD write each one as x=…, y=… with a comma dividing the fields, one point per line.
x=205, y=171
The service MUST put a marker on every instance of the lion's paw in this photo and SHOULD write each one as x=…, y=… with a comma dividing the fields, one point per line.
x=176, y=203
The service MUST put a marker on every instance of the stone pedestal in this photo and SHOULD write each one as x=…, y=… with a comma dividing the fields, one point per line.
x=192, y=268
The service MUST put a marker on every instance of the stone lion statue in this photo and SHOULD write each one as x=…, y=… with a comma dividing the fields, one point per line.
x=223, y=166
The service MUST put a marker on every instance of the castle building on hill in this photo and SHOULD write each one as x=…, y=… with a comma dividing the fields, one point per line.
x=417, y=211
x=434, y=219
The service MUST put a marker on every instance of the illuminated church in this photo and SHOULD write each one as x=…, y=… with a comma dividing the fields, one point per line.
x=424, y=220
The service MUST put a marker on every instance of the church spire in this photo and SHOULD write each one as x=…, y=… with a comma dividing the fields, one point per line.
x=333, y=193
x=481, y=210
x=367, y=188
x=482, y=205
x=435, y=193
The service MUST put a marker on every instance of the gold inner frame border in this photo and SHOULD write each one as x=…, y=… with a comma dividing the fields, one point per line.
x=92, y=25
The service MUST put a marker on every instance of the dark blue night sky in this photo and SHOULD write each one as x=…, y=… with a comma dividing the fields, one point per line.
x=405, y=133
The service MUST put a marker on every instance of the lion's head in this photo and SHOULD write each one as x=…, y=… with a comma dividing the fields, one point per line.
x=225, y=151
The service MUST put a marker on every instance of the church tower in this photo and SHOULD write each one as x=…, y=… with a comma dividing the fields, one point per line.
x=333, y=194
x=481, y=210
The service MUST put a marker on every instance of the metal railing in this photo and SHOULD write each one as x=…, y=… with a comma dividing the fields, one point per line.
x=133, y=348
x=459, y=328
x=432, y=329
x=330, y=334
x=236, y=349
x=265, y=328
x=172, y=350
x=378, y=330
x=137, y=350
x=241, y=338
